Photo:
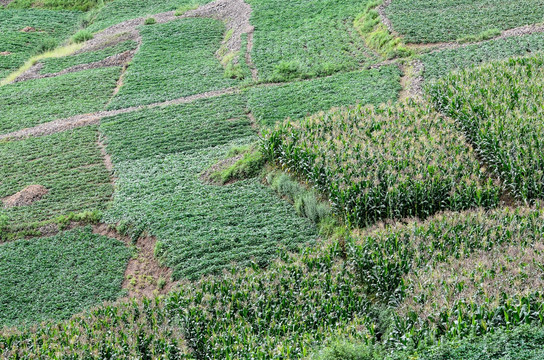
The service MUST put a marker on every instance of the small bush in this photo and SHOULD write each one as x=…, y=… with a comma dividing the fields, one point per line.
x=247, y=167
x=47, y=44
x=82, y=36
x=150, y=21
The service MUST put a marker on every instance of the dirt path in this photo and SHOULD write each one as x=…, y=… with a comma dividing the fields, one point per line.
x=5, y=2
x=73, y=122
x=412, y=80
x=383, y=17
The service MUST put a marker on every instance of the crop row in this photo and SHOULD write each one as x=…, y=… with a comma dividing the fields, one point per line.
x=33, y=102
x=68, y=164
x=53, y=65
x=176, y=59
x=303, y=300
x=440, y=63
x=499, y=107
x=387, y=162
x=53, y=278
x=43, y=30
x=296, y=100
x=422, y=21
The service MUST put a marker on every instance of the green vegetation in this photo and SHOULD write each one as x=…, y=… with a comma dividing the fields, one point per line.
x=383, y=163
x=54, y=65
x=301, y=39
x=82, y=36
x=177, y=128
x=29, y=103
x=150, y=21
x=176, y=59
x=68, y=164
x=299, y=99
x=376, y=34
x=203, y=228
x=82, y=5
x=42, y=28
x=424, y=21
x=184, y=8
x=440, y=63
x=117, y=11
x=248, y=163
x=56, y=277
x=499, y=107
x=484, y=35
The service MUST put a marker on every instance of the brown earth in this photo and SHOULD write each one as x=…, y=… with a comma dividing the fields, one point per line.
x=5, y=53
x=25, y=197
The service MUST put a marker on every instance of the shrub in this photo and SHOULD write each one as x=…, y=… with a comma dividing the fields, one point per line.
x=150, y=21
x=47, y=44
x=82, y=36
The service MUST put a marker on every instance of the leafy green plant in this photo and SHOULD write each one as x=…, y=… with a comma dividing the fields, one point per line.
x=47, y=44
x=185, y=8
x=150, y=21
x=249, y=165
x=82, y=36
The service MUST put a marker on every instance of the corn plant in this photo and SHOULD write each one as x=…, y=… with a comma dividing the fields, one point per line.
x=387, y=162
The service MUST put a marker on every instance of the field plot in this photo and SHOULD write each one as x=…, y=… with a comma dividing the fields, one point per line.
x=179, y=128
x=176, y=59
x=387, y=162
x=500, y=108
x=203, y=228
x=457, y=274
x=82, y=5
x=301, y=39
x=429, y=21
x=53, y=278
x=440, y=63
x=33, y=102
x=53, y=65
x=298, y=99
x=118, y=11
x=27, y=32
x=69, y=165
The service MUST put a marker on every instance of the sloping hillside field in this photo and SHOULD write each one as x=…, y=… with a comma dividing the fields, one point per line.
x=272, y=179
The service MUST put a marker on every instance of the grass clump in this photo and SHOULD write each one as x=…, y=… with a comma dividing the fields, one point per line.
x=82, y=36
x=249, y=163
x=185, y=8
x=501, y=119
x=484, y=35
x=150, y=21
x=376, y=34
x=389, y=162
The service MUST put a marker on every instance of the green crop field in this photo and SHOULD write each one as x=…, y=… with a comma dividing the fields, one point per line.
x=387, y=162
x=176, y=59
x=52, y=278
x=34, y=102
x=271, y=179
x=68, y=164
x=298, y=99
x=44, y=30
x=301, y=39
x=502, y=119
x=440, y=63
x=426, y=21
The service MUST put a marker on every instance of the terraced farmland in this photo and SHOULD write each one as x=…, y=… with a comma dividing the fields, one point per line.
x=270, y=179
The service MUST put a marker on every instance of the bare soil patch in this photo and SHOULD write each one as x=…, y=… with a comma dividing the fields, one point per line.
x=28, y=29
x=144, y=276
x=383, y=17
x=25, y=197
x=5, y=53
